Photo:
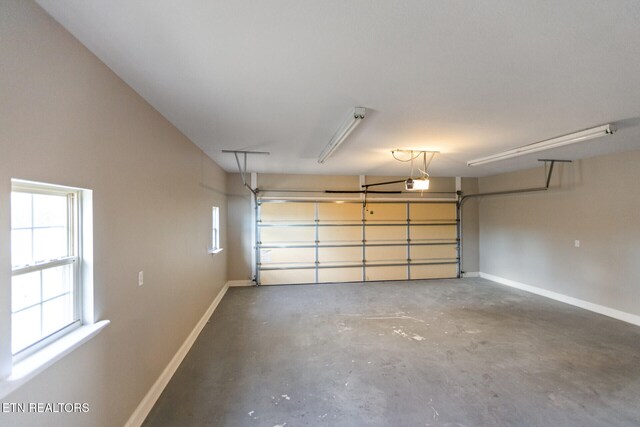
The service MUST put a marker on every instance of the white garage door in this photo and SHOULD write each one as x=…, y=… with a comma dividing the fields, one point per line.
x=336, y=241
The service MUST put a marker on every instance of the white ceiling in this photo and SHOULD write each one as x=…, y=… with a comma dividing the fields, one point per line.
x=468, y=78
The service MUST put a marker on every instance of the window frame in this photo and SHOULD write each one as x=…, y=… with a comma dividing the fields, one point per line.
x=74, y=258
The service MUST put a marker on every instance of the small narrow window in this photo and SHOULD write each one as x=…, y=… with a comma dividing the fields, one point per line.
x=45, y=260
x=215, y=230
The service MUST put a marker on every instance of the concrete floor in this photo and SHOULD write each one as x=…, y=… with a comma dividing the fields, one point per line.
x=427, y=353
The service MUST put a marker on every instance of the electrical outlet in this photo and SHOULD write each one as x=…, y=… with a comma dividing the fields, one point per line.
x=140, y=278
x=577, y=243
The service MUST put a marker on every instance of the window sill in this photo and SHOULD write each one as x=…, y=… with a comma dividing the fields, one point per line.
x=28, y=368
x=215, y=251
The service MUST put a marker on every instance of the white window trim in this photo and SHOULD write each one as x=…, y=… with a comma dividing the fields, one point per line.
x=215, y=231
x=24, y=368
x=37, y=362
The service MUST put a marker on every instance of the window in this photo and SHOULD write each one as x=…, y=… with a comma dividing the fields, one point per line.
x=215, y=230
x=45, y=260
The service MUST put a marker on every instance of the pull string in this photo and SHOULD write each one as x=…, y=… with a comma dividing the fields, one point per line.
x=425, y=163
x=412, y=158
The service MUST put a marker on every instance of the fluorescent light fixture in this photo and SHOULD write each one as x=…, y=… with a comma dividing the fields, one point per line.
x=417, y=184
x=560, y=141
x=343, y=132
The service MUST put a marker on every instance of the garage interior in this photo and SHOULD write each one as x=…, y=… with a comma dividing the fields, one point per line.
x=337, y=213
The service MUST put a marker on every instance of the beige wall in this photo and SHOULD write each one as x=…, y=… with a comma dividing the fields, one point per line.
x=470, y=228
x=65, y=118
x=239, y=229
x=529, y=238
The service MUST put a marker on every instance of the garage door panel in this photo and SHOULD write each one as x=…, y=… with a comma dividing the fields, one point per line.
x=433, y=232
x=432, y=212
x=349, y=234
x=284, y=235
x=433, y=271
x=287, y=277
x=329, y=275
x=339, y=212
x=287, y=212
x=386, y=253
x=287, y=255
x=386, y=234
x=386, y=212
x=344, y=255
x=386, y=273
x=433, y=252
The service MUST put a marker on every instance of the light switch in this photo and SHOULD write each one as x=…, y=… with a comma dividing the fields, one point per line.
x=140, y=278
x=577, y=243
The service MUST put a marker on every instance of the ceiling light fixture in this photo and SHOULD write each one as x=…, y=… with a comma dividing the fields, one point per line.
x=560, y=141
x=343, y=132
x=421, y=183
x=417, y=184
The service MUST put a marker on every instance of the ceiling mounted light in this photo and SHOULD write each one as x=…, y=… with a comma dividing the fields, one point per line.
x=560, y=141
x=421, y=183
x=417, y=184
x=343, y=132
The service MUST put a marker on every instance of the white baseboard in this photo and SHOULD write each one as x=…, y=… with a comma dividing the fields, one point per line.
x=600, y=309
x=471, y=274
x=145, y=406
x=237, y=283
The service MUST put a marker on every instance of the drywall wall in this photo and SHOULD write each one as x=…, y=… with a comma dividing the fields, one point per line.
x=313, y=186
x=65, y=118
x=470, y=228
x=530, y=238
x=239, y=226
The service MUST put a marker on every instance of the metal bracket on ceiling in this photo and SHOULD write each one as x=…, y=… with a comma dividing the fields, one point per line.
x=551, y=163
x=242, y=168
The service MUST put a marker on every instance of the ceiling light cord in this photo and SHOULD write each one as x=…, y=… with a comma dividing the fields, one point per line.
x=411, y=157
x=425, y=163
x=421, y=183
